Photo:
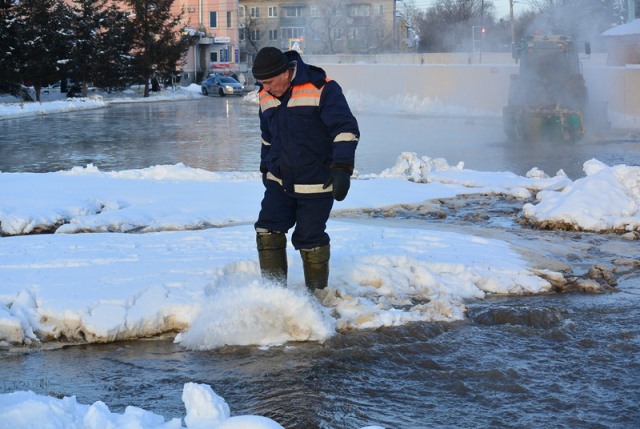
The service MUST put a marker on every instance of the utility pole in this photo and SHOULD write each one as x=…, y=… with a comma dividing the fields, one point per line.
x=513, y=31
x=395, y=27
x=481, y=28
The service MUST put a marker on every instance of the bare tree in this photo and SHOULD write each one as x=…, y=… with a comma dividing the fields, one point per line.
x=329, y=27
x=580, y=19
x=249, y=26
x=448, y=25
x=410, y=13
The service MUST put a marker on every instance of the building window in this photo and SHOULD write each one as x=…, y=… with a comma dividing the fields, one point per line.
x=292, y=12
x=242, y=11
x=213, y=19
x=255, y=35
x=338, y=33
x=273, y=12
x=213, y=57
x=273, y=34
x=314, y=11
x=292, y=32
x=356, y=33
x=359, y=10
x=381, y=9
x=229, y=19
x=255, y=12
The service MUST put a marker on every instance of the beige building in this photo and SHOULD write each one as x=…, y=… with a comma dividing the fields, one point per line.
x=217, y=48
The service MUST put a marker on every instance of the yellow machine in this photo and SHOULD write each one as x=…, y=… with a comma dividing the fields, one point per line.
x=547, y=98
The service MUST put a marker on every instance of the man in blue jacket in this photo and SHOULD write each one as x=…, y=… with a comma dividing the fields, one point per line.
x=309, y=138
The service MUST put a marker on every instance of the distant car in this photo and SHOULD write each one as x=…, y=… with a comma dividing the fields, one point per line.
x=221, y=85
x=15, y=92
x=50, y=89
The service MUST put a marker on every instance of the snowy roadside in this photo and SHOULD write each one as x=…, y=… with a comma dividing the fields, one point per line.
x=58, y=103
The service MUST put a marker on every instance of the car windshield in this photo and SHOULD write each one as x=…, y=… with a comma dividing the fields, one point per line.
x=227, y=79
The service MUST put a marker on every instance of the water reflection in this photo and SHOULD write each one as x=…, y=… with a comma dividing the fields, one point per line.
x=210, y=133
x=222, y=134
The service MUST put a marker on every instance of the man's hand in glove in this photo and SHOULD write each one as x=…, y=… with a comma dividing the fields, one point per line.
x=340, y=178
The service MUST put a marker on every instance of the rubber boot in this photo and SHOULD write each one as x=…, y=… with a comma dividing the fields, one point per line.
x=272, y=253
x=315, y=263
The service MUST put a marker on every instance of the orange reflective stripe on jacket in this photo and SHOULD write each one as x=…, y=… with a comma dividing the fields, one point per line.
x=267, y=100
x=305, y=95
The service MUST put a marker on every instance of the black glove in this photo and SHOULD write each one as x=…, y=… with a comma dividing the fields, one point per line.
x=341, y=180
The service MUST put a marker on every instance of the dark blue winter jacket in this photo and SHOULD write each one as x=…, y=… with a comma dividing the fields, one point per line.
x=307, y=131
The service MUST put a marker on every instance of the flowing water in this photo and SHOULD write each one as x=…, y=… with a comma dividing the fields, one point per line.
x=561, y=360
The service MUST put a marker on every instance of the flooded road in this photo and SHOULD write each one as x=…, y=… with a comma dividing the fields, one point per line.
x=221, y=134
x=557, y=360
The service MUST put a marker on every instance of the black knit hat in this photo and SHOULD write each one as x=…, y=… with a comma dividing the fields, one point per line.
x=269, y=62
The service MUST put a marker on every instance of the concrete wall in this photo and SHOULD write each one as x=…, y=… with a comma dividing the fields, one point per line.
x=477, y=86
x=436, y=58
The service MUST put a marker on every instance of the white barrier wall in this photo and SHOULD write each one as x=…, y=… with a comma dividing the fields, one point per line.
x=478, y=86
x=481, y=87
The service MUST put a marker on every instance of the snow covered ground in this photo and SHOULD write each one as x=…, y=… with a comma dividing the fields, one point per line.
x=180, y=255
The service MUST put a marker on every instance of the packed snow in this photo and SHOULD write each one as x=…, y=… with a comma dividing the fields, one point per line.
x=629, y=29
x=176, y=253
x=204, y=410
x=198, y=256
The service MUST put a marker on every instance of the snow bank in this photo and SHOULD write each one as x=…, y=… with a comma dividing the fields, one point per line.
x=607, y=199
x=204, y=409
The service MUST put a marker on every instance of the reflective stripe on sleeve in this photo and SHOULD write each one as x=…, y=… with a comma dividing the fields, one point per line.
x=345, y=137
x=303, y=189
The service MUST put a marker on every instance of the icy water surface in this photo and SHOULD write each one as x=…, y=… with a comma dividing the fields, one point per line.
x=553, y=361
x=562, y=360
x=221, y=134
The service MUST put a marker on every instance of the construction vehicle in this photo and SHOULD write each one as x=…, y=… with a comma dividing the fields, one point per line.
x=547, y=98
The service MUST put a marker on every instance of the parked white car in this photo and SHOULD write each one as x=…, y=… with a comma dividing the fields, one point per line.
x=221, y=85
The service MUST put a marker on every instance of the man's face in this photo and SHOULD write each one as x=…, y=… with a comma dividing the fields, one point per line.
x=277, y=85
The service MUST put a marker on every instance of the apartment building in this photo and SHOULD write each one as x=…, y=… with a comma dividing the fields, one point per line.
x=233, y=31
x=230, y=32
x=318, y=26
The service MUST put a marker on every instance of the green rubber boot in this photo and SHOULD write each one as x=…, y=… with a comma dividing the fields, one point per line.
x=315, y=263
x=272, y=253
